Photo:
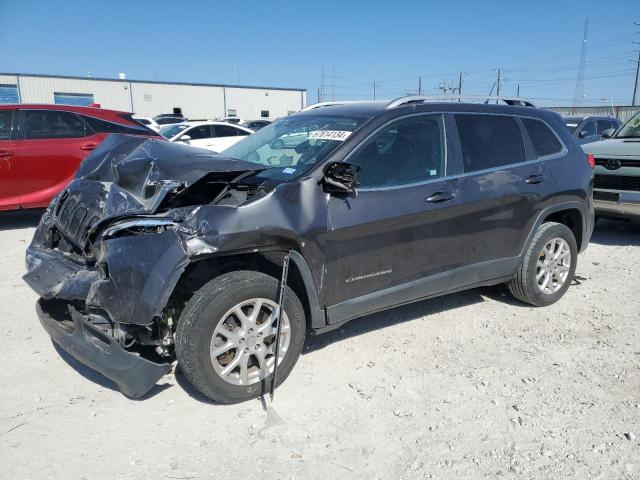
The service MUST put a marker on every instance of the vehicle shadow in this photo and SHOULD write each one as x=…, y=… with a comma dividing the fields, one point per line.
x=97, y=377
x=616, y=233
x=20, y=219
x=406, y=313
x=377, y=321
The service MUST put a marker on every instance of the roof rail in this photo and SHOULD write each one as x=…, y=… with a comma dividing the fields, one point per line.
x=409, y=99
x=329, y=104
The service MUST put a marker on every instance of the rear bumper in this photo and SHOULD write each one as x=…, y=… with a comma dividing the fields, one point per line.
x=72, y=331
x=617, y=203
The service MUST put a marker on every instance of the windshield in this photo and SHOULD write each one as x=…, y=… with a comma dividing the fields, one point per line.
x=631, y=129
x=292, y=145
x=172, y=130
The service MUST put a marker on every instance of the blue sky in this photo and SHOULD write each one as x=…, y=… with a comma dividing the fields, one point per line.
x=286, y=43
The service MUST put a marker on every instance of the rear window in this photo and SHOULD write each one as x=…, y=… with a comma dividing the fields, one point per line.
x=544, y=140
x=102, y=126
x=489, y=141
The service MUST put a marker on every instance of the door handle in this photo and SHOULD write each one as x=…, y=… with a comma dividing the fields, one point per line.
x=6, y=153
x=440, y=197
x=533, y=179
x=88, y=147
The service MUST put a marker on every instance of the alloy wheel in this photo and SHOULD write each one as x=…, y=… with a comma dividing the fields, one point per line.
x=243, y=343
x=553, y=265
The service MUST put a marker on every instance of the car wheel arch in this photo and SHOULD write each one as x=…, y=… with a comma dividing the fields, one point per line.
x=558, y=213
x=202, y=269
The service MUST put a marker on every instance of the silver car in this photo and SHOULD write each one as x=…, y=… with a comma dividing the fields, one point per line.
x=616, y=187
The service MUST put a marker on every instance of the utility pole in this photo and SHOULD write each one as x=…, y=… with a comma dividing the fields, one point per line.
x=460, y=75
x=321, y=85
x=333, y=84
x=579, y=95
x=498, y=84
x=444, y=86
x=374, y=89
x=518, y=94
x=635, y=85
x=419, y=85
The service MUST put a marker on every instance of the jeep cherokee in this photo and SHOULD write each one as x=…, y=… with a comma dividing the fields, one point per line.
x=159, y=251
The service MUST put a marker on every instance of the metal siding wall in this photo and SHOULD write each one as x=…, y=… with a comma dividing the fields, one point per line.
x=623, y=112
x=197, y=102
x=9, y=79
x=248, y=102
x=113, y=95
x=149, y=98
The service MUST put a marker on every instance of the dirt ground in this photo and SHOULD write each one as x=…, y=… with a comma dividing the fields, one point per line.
x=473, y=385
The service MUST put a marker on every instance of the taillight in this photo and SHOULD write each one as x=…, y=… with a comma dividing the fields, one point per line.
x=591, y=160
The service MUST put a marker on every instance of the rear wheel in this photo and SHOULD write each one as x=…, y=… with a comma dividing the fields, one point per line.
x=225, y=340
x=548, y=266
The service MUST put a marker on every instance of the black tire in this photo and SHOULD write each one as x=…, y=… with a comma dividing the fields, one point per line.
x=205, y=310
x=524, y=286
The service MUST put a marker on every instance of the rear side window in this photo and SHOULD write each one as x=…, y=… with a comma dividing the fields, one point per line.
x=5, y=124
x=544, y=140
x=200, y=132
x=605, y=125
x=489, y=141
x=410, y=150
x=40, y=124
x=227, y=131
x=103, y=126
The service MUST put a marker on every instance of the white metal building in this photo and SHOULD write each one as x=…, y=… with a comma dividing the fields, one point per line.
x=196, y=100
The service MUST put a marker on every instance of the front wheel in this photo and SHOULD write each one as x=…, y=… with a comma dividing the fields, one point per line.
x=548, y=266
x=225, y=339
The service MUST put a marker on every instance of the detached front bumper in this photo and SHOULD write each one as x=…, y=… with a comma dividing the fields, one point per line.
x=617, y=203
x=72, y=331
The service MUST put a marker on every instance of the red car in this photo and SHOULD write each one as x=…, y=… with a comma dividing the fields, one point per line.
x=41, y=147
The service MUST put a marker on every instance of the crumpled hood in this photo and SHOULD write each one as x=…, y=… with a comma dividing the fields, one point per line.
x=614, y=148
x=145, y=170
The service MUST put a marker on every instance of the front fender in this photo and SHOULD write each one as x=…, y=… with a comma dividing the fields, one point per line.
x=138, y=274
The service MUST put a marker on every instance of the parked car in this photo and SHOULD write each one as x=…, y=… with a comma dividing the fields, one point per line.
x=162, y=120
x=255, y=125
x=379, y=205
x=234, y=120
x=214, y=136
x=170, y=115
x=41, y=147
x=589, y=129
x=147, y=122
x=616, y=187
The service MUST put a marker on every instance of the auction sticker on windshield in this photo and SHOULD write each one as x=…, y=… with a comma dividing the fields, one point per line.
x=339, y=135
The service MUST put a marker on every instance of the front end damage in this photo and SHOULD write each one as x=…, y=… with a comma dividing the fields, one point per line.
x=110, y=249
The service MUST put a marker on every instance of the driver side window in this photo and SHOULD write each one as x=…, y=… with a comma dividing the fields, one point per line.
x=410, y=150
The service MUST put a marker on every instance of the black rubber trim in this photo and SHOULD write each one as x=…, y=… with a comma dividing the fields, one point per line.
x=133, y=375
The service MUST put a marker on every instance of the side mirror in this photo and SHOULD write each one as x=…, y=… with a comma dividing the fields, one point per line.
x=608, y=133
x=582, y=134
x=340, y=177
x=185, y=138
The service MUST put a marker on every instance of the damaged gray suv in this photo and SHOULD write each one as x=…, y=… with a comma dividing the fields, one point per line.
x=159, y=252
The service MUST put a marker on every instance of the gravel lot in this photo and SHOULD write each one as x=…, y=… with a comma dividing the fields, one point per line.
x=473, y=385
